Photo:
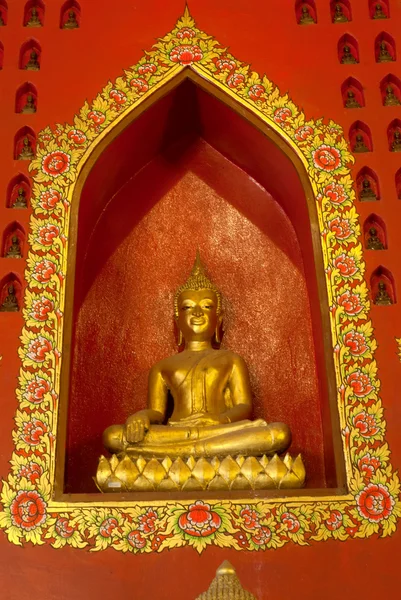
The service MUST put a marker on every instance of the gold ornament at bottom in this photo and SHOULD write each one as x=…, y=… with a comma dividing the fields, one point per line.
x=226, y=585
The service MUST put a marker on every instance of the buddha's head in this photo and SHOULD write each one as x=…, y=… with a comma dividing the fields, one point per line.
x=197, y=307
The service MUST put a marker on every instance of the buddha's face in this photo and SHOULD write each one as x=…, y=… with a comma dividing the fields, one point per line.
x=197, y=314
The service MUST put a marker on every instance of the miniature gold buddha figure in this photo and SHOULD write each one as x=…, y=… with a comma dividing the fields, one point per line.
x=390, y=98
x=306, y=17
x=384, y=54
x=347, y=57
x=26, y=151
x=10, y=303
x=20, y=200
x=71, y=22
x=373, y=241
x=33, y=63
x=34, y=20
x=29, y=107
x=396, y=143
x=14, y=250
x=339, y=16
x=360, y=145
x=351, y=101
x=379, y=13
x=382, y=297
x=367, y=193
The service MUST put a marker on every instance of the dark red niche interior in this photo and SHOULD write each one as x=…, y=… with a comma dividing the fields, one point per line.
x=310, y=6
x=389, y=43
x=394, y=136
x=67, y=7
x=393, y=85
x=27, y=132
x=190, y=173
x=398, y=183
x=373, y=9
x=21, y=96
x=352, y=85
x=13, y=229
x=380, y=226
x=19, y=181
x=382, y=274
x=370, y=175
x=351, y=42
x=360, y=129
x=25, y=52
x=11, y=279
x=40, y=8
x=4, y=11
x=345, y=10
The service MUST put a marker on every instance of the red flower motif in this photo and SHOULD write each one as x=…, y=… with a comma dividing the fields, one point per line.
x=360, y=383
x=63, y=528
x=31, y=471
x=289, y=519
x=55, y=163
x=36, y=389
x=375, y=503
x=336, y=193
x=223, y=64
x=186, y=55
x=28, y=510
x=235, y=79
x=366, y=424
x=140, y=85
x=346, y=265
x=368, y=465
x=350, y=302
x=118, y=96
x=199, y=521
x=147, y=68
x=136, y=540
x=77, y=136
x=256, y=91
x=49, y=199
x=302, y=133
x=334, y=521
x=186, y=33
x=97, y=117
x=282, y=114
x=250, y=516
x=147, y=521
x=41, y=308
x=341, y=228
x=326, y=158
x=107, y=527
x=356, y=342
x=32, y=432
x=38, y=348
x=47, y=233
x=262, y=536
x=44, y=270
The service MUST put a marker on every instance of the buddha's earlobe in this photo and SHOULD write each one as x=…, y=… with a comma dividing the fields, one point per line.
x=218, y=330
x=180, y=338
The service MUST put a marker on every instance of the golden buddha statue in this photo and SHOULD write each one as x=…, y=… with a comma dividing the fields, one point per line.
x=306, y=17
x=373, y=241
x=10, y=303
x=351, y=101
x=26, y=151
x=367, y=193
x=347, y=57
x=390, y=98
x=339, y=16
x=29, y=107
x=34, y=20
x=212, y=406
x=384, y=54
x=379, y=13
x=360, y=145
x=71, y=22
x=382, y=297
x=14, y=251
x=396, y=143
x=20, y=200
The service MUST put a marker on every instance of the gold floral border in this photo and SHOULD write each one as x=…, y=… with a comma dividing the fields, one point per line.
x=28, y=512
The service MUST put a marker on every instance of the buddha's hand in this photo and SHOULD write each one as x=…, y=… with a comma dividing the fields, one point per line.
x=136, y=427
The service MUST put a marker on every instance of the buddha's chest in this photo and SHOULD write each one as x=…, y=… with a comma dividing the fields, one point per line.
x=190, y=376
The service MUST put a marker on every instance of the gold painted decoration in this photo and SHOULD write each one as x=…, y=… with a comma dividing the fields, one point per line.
x=226, y=585
x=29, y=512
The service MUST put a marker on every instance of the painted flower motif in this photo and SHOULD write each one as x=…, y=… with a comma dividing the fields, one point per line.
x=32, y=432
x=118, y=96
x=38, y=348
x=31, y=471
x=336, y=193
x=55, y=163
x=355, y=342
x=44, y=270
x=360, y=383
x=235, y=79
x=368, y=465
x=63, y=528
x=49, y=198
x=36, y=390
x=256, y=91
x=199, y=521
x=334, y=521
x=28, y=510
x=136, y=540
x=261, y=536
x=223, y=64
x=186, y=33
x=291, y=521
x=341, y=228
x=40, y=308
x=140, y=85
x=251, y=518
x=375, y=503
x=97, y=117
x=326, y=158
x=282, y=114
x=47, y=233
x=186, y=55
x=346, y=265
x=350, y=302
x=107, y=527
x=366, y=424
x=147, y=521
x=303, y=132
x=147, y=68
x=77, y=136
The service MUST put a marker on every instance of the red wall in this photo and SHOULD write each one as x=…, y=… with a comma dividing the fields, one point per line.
x=76, y=65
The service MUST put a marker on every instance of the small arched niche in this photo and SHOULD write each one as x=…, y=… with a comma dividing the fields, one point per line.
x=382, y=287
x=30, y=55
x=3, y=13
x=348, y=50
x=26, y=99
x=379, y=9
x=24, y=144
x=360, y=137
x=34, y=13
x=10, y=293
x=1, y=55
x=305, y=12
x=394, y=136
x=367, y=184
x=390, y=89
x=352, y=93
x=340, y=11
x=398, y=183
x=70, y=15
x=13, y=241
x=375, y=233
x=385, y=48
x=18, y=192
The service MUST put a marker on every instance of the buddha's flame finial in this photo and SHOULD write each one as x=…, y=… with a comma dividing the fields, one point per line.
x=198, y=280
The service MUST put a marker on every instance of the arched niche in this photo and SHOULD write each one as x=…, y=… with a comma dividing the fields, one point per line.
x=10, y=245
x=26, y=99
x=352, y=93
x=348, y=50
x=381, y=284
x=379, y=9
x=34, y=13
x=18, y=192
x=10, y=293
x=385, y=48
x=390, y=90
x=340, y=11
x=394, y=136
x=398, y=183
x=367, y=183
x=360, y=137
x=3, y=13
x=30, y=55
x=375, y=233
x=24, y=144
x=305, y=12
x=70, y=15
x=194, y=169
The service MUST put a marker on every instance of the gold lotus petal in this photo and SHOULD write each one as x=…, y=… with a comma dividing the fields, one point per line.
x=179, y=472
x=192, y=485
x=276, y=469
x=203, y=471
x=251, y=468
x=154, y=471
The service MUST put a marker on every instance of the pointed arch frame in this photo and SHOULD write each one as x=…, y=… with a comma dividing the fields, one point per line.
x=64, y=154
